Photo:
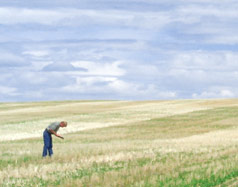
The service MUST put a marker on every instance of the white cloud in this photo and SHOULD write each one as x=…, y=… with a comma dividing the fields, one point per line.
x=89, y=84
x=34, y=78
x=195, y=70
x=9, y=15
x=215, y=92
x=208, y=10
x=117, y=88
x=36, y=53
x=141, y=71
x=103, y=69
x=39, y=94
x=215, y=21
x=62, y=67
x=137, y=90
x=8, y=59
x=71, y=16
x=205, y=60
x=227, y=93
x=225, y=38
x=142, y=52
x=39, y=65
x=5, y=90
x=95, y=79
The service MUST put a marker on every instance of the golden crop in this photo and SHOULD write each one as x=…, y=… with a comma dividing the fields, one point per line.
x=121, y=143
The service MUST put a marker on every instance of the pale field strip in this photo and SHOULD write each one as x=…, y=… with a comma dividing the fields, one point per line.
x=219, y=138
x=125, y=112
x=32, y=108
x=133, y=114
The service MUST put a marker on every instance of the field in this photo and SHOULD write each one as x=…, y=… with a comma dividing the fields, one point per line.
x=121, y=143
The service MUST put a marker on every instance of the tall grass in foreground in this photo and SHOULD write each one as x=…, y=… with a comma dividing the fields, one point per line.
x=193, y=149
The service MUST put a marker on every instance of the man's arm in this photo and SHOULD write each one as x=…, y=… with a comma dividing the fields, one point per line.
x=53, y=132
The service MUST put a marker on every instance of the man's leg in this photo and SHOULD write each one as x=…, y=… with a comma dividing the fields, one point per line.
x=46, y=137
x=50, y=146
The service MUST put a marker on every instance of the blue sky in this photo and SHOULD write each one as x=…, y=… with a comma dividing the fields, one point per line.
x=118, y=49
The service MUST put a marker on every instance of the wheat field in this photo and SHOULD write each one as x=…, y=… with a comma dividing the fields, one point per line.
x=121, y=143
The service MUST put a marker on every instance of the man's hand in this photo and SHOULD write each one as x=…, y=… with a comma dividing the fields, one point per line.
x=60, y=137
x=53, y=132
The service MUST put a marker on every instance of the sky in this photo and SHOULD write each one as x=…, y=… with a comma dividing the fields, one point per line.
x=118, y=49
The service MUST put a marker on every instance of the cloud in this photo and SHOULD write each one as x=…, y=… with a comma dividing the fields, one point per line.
x=8, y=59
x=140, y=91
x=36, y=53
x=205, y=60
x=89, y=84
x=193, y=71
x=71, y=16
x=214, y=21
x=100, y=68
x=62, y=67
x=4, y=90
x=135, y=50
x=215, y=93
x=116, y=88
x=141, y=71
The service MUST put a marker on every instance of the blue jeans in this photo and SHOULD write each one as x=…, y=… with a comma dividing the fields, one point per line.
x=47, y=144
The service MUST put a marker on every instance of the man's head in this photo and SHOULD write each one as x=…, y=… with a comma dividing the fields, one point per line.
x=63, y=124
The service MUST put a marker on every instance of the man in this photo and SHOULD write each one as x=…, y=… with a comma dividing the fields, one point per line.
x=51, y=129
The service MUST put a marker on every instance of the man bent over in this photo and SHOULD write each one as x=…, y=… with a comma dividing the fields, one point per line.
x=51, y=129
